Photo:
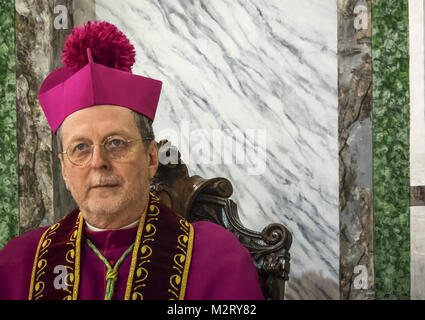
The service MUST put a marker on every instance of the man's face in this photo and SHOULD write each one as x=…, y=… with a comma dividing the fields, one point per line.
x=105, y=188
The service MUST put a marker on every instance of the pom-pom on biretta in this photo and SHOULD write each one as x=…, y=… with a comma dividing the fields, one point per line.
x=108, y=45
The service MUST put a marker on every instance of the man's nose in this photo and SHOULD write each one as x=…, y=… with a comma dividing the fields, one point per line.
x=99, y=158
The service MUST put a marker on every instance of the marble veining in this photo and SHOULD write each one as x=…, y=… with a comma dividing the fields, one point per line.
x=250, y=93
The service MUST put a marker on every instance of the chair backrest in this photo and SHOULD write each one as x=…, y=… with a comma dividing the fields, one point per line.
x=196, y=199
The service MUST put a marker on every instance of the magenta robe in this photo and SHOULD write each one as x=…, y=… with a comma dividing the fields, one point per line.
x=221, y=267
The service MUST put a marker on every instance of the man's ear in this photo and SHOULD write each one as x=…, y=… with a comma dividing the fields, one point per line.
x=153, y=158
x=64, y=175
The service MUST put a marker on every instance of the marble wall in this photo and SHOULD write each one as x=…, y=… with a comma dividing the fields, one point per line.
x=390, y=57
x=250, y=93
x=8, y=148
x=417, y=148
x=355, y=145
x=40, y=28
x=274, y=95
x=36, y=56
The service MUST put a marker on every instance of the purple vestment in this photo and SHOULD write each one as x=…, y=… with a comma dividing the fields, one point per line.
x=221, y=267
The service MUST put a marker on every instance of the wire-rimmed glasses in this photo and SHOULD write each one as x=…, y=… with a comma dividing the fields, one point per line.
x=80, y=153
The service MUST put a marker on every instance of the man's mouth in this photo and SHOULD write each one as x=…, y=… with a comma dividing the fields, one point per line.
x=104, y=186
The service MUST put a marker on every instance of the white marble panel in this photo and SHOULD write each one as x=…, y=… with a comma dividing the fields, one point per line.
x=417, y=93
x=417, y=253
x=261, y=78
x=417, y=145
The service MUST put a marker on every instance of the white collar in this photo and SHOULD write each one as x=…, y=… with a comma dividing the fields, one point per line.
x=131, y=225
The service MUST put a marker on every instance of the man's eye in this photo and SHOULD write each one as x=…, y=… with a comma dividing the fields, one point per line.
x=115, y=143
x=81, y=147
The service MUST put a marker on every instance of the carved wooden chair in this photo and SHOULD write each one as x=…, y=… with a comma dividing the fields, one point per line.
x=196, y=198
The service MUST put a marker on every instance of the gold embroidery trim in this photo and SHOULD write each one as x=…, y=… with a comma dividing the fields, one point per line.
x=187, y=264
x=134, y=255
x=36, y=273
x=34, y=268
x=42, y=249
x=77, y=258
x=178, y=280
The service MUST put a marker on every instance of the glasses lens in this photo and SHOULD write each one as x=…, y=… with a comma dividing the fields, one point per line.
x=79, y=153
x=116, y=147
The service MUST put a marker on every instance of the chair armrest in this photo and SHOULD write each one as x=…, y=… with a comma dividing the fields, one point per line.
x=269, y=248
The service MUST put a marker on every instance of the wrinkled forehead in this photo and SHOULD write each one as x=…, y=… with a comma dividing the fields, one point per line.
x=98, y=122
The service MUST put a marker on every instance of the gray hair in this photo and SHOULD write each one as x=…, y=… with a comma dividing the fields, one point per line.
x=143, y=123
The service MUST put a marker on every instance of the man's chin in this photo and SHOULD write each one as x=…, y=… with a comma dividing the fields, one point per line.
x=104, y=192
x=100, y=207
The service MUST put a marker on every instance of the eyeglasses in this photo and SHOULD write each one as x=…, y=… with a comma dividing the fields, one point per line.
x=81, y=153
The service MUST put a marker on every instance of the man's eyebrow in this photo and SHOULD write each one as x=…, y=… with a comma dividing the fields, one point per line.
x=109, y=134
x=116, y=133
x=77, y=138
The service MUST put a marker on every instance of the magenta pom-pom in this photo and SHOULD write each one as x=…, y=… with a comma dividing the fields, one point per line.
x=109, y=47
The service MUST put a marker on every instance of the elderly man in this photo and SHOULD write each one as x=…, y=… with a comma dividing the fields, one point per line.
x=121, y=242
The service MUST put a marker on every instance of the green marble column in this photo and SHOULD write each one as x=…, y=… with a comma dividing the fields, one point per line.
x=390, y=54
x=8, y=148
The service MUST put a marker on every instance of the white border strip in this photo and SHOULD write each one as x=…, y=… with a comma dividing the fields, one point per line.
x=417, y=146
